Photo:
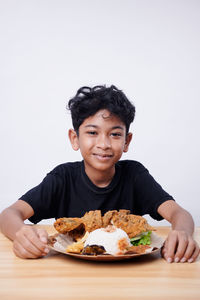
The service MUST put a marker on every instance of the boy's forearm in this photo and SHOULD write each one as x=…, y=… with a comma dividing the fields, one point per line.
x=179, y=218
x=10, y=222
x=183, y=221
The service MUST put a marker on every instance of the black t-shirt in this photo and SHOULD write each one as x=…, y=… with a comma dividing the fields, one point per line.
x=68, y=192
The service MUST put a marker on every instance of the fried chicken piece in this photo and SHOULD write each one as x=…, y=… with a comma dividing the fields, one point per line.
x=124, y=212
x=64, y=225
x=107, y=218
x=133, y=225
x=78, y=232
x=92, y=220
x=76, y=227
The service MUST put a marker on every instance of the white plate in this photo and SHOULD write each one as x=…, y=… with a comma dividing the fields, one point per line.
x=63, y=240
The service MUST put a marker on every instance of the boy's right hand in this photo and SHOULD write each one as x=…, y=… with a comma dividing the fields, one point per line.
x=30, y=242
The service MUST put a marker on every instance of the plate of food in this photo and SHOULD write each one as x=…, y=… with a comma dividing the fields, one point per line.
x=117, y=235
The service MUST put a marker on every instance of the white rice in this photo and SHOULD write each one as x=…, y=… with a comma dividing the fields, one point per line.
x=109, y=240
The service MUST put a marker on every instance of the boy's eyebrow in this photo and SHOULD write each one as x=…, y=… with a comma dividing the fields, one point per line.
x=118, y=127
x=90, y=125
x=114, y=127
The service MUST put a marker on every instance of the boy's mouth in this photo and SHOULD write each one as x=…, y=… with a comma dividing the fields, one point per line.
x=102, y=156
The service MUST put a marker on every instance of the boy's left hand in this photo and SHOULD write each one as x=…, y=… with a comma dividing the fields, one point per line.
x=180, y=247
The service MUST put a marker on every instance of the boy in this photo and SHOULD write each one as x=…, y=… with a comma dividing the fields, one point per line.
x=101, y=118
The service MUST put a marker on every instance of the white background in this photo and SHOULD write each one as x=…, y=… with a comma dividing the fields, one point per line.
x=149, y=49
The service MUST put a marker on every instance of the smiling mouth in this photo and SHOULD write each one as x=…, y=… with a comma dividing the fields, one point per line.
x=103, y=156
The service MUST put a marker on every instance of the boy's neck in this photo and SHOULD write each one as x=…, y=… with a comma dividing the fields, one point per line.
x=100, y=178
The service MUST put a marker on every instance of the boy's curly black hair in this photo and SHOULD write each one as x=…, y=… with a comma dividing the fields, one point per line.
x=88, y=101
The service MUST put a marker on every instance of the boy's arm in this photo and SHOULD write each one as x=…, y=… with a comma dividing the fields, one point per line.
x=28, y=241
x=179, y=245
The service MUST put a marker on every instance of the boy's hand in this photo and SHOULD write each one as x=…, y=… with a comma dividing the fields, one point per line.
x=30, y=242
x=180, y=247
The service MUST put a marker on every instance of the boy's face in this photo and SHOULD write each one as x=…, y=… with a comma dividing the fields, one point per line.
x=102, y=139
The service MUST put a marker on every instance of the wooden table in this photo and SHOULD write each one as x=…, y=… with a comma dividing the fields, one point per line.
x=58, y=276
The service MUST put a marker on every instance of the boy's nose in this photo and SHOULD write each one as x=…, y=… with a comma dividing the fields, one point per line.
x=103, y=142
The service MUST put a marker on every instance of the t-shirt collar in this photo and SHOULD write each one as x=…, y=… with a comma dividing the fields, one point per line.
x=101, y=190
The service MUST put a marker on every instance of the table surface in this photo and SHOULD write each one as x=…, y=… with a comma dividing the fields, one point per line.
x=58, y=276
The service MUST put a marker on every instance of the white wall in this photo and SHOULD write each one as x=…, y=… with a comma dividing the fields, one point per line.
x=148, y=48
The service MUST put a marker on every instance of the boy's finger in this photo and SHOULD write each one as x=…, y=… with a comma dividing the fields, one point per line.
x=188, y=251
x=43, y=235
x=164, y=254
x=181, y=248
x=164, y=249
x=194, y=255
x=171, y=247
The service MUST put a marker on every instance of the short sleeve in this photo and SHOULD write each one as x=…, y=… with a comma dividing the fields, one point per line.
x=149, y=195
x=44, y=197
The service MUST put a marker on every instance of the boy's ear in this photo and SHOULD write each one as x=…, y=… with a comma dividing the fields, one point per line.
x=128, y=140
x=73, y=139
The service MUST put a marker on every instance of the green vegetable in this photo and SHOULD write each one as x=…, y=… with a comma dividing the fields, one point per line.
x=142, y=239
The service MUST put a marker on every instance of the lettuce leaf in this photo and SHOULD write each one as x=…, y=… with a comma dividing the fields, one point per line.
x=144, y=239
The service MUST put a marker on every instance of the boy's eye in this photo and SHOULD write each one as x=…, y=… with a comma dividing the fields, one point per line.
x=91, y=132
x=116, y=134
